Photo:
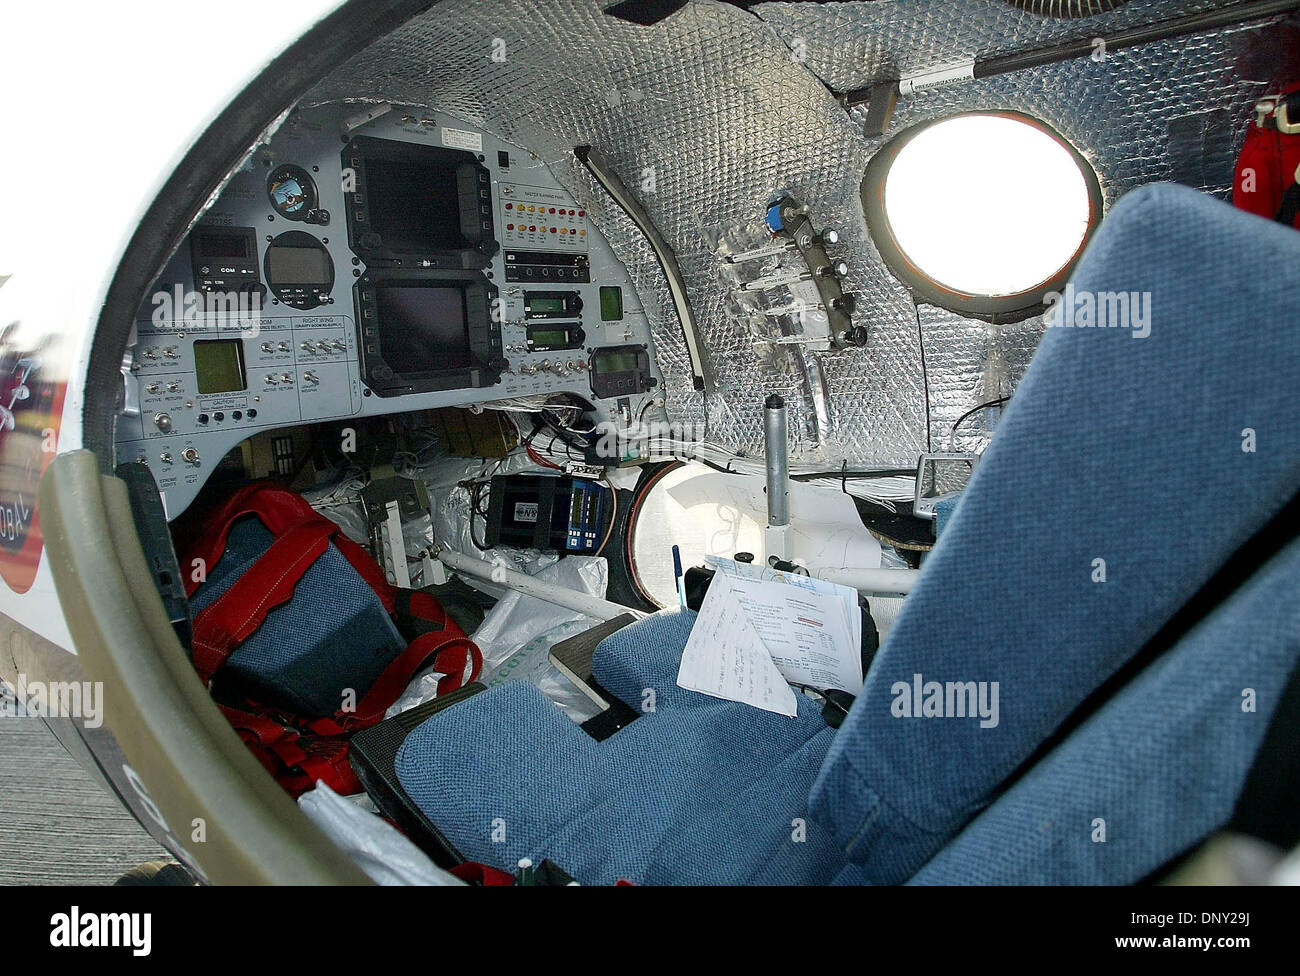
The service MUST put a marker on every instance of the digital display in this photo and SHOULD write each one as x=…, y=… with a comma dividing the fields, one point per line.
x=222, y=245
x=423, y=328
x=549, y=337
x=615, y=360
x=555, y=304
x=611, y=303
x=219, y=365
x=297, y=265
x=414, y=204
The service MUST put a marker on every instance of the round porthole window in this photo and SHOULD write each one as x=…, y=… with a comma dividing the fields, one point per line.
x=982, y=213
x=702, y=512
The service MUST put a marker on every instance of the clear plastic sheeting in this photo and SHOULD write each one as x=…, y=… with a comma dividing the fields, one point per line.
x=518, y=633
x=377, y=847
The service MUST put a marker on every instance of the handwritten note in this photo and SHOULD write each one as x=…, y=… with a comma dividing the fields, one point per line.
x=753, y=635
x=725, y=657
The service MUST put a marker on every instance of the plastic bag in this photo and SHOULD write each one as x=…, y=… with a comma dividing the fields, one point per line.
x=376, y=846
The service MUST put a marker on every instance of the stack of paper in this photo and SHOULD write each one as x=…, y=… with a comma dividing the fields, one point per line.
x=759, y=631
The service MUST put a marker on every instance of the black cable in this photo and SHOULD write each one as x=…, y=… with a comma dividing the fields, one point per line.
x=974, y=410
x=844, y=474
x=925, y=376
x=476, y=489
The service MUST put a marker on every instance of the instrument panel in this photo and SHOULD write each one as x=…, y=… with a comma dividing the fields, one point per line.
x=363, y=266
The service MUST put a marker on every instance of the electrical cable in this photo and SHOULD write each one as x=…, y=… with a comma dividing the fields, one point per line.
x=613, y=516
x=952, y=434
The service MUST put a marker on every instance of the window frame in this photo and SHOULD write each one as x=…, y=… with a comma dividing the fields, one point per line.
x=928, y=290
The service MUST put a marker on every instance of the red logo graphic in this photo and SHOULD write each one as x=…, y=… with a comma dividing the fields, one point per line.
x=30, y=407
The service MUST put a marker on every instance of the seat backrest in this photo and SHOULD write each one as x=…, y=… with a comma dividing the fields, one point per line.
x=1150, y=437
x=1158, y=767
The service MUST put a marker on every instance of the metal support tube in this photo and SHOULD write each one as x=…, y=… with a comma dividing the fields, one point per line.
x=561, y=596
x=884, y=581
x=776, y=451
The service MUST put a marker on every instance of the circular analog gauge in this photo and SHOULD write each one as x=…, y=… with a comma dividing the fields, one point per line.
x=292, y=191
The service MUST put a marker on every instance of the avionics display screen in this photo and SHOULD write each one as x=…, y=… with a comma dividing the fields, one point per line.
x=548, y=337
x=298, y=266
x=611, y=303
x=423, y=328
x=414, y=203
x=615, y=360
x=219, y=365
x=212, y=244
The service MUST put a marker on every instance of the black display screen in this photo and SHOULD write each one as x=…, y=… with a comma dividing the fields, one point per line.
x=298, y=266
x=414, y=204
x=423, y=328
x=215, y=245
x=615, y=361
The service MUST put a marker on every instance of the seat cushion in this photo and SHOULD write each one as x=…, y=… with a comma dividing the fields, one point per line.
x=695, y=791
x=333, y=636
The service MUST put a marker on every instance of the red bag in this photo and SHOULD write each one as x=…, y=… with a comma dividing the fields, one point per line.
x=1265, y=180
x=300, y=750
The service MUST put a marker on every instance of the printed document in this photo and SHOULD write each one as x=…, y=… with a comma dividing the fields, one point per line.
x=755, y=634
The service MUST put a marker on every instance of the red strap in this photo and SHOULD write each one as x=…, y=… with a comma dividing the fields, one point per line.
x=275, y=506
x=449, y=655
x=300, y=751
x=229, y=621
x=472, y=872
x=296, y=761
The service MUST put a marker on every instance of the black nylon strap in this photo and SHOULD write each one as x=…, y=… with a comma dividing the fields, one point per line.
x=408, y=624
x=1286, y=213
x=1269, y=805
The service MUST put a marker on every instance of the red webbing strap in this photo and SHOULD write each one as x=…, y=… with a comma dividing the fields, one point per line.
x=449, y=656
x=297, y=762
x=276, y=507
x=229, y=621
x=472, y=872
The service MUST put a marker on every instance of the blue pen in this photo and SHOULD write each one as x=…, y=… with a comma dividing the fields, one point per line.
x=678, y=578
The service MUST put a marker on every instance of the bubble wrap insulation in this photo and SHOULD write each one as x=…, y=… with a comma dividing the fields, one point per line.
x=714, y=107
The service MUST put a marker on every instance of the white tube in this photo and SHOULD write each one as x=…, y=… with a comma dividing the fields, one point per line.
x=561, y=596
x=872, y=580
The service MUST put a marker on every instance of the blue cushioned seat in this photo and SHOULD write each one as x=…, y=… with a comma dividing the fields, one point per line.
x=1123, y=475
x=697, y=791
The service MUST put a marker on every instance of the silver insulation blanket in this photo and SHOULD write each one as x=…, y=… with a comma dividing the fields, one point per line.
x=712, y=112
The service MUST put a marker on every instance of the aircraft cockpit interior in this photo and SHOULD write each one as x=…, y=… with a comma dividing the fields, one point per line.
x=711, y=443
